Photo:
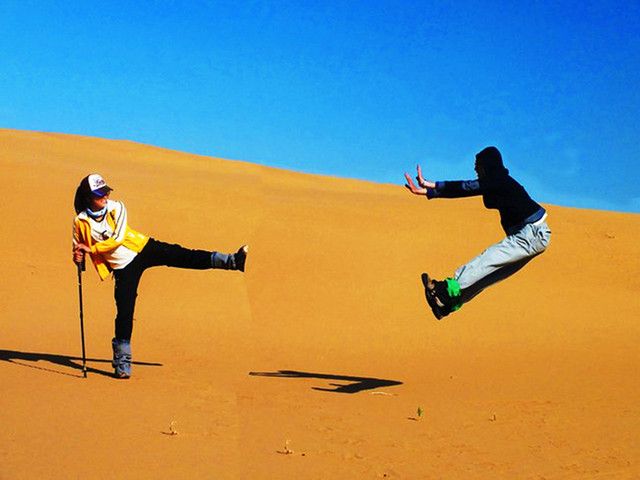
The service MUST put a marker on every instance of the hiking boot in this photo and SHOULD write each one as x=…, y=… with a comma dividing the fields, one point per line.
x=230, y=261
x=121, y=358
x=240, y=258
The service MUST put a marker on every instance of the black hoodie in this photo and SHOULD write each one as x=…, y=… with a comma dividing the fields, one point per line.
x=498, y=189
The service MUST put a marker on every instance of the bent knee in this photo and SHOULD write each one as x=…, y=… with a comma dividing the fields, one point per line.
x=543, y=239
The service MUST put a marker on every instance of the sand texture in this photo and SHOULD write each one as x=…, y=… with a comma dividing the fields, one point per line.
x=322, y=361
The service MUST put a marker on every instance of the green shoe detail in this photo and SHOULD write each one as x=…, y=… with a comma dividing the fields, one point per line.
x=454, y=291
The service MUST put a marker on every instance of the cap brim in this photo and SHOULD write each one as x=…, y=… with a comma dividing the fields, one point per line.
x=101, y=192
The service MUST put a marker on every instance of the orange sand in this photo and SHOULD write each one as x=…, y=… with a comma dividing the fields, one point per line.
x=536, y=378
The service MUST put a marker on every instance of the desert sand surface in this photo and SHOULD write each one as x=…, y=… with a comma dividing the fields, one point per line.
x=322, y=361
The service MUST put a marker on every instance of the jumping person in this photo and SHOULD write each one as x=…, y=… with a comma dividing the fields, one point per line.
x=101, y=230
x=523, y=220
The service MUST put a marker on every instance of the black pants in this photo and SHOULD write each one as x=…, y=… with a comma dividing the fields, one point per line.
x=154, y=253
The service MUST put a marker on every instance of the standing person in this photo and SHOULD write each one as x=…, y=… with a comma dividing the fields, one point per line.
x=523, y=220
x=101, y=230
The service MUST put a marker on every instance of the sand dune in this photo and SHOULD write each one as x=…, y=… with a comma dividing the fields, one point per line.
x=313, y=364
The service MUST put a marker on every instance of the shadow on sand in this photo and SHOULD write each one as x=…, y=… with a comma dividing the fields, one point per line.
x=66, y=361
x=355, y=385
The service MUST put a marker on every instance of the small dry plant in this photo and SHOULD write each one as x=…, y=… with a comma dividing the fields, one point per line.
x=172, y=429
x=286, y=450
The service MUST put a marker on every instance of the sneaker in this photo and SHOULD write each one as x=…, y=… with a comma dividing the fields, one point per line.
x=437, y=307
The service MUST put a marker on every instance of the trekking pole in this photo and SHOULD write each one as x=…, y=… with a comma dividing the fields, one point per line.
x=81, y=267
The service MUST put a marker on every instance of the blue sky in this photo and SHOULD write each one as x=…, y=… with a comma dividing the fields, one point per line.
x=362, y=89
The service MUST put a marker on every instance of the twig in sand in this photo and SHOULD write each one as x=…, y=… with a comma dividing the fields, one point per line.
x=286, y=450
x=419, y=414
x=172, y=429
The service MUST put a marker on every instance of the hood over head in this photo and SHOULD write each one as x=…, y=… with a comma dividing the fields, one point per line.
x=491, y=162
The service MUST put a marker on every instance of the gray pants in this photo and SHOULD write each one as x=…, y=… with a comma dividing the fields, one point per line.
x=503, y=259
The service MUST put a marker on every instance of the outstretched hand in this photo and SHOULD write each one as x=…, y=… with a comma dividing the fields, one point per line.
x=424, y=184
x=412, y=186
x=421, y=181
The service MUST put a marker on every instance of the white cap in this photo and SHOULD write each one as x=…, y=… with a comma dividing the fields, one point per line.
x=97, y=185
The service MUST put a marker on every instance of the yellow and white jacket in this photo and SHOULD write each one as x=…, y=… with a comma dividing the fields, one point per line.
x=113, y=244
